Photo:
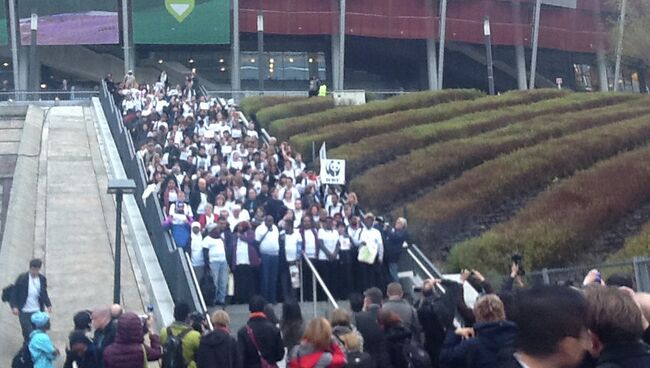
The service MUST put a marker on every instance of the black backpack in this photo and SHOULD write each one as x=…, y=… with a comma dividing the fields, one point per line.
x=358, y=359
x=173, y=350
x=7, y=293
x=23, y=358
x=415, y=356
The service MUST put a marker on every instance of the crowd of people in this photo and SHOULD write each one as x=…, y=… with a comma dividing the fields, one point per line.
x=247, y=208
x=600, y=325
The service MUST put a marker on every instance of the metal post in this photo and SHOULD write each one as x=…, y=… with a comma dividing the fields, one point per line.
x=488, y=50
x=235, y=79
x=335, y=61
x=341, y=60
x=545, y=277
x=314, y=291
x=432, y=62
x=118, y=248
x=126, y=36
x=533, y=61
x=34, y=73
x=619, y=46
x=260, y=49
x=520, y=52
x=13, y=24
x=302, y=281
x=443, y=35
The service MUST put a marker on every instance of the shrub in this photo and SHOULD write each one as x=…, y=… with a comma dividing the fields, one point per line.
x=285, y=128
x=383, y=186
x=636, y=246
x=339, y=134
x=559, y=226
x=447, y=209
x=385, y=147
x=253, y=104
x=294, y=108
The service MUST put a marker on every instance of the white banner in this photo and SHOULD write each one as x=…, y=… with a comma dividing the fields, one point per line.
x=322, y=153
x=332, y=172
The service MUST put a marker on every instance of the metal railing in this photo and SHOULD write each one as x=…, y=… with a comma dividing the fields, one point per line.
x=173, y=262
x=316, y=278
x=637, y=268
x=44, y=95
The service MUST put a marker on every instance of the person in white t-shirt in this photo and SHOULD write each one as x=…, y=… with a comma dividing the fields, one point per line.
x=370, y=237
x=268, y=237
x=291, y=244
x=196, y=247
x=244, y=262
x=214, y=250
x=327, y=266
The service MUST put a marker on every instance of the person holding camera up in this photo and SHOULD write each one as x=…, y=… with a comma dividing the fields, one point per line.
x=129, y=349
x=180, y=338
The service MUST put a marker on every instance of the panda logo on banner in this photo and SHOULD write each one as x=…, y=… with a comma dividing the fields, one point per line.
x=332, y=172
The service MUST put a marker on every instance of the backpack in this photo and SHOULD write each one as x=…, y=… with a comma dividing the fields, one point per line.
x=23, y=358
x=8, y=292
x=358, y=359
x=173, y=350
x=415, y=356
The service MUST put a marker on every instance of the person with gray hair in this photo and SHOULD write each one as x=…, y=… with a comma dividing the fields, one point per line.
x=395, y=239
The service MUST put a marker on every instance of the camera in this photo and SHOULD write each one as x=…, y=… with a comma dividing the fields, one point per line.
x=197, y=321
x=144, y=318
x=518, y=260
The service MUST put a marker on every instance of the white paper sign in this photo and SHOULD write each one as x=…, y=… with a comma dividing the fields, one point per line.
x=332, y=172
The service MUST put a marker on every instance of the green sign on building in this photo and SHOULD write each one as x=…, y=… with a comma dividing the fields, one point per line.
x=3, y=25
x=181, y=22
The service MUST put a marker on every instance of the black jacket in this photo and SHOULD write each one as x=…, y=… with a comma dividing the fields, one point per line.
x=493, y=345
x=22, y=288
x=269, y=341
x=88, y=360
x=635, y=355
x=393, y=246
x=396, y=338
x=217, y=350
x=374, y=342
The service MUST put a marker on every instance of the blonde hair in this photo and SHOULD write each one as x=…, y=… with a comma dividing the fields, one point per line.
x=339, y=317
x=351, y=341
x=489, y=308
x=318, y=333
x=220, y=318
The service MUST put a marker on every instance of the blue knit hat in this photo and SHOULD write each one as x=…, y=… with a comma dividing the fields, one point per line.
x=40, y=319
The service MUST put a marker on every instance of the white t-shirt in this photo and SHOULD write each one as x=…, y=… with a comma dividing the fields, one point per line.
x=373, y=236
x=242, y=253
x=197, y=250
x=346, y=243
x=292, y=244
x=216, y=249
x=270, y=244
x=33, y=293
x=329, y=239
x=310, y=244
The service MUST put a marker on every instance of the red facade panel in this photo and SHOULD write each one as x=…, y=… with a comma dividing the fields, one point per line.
x=564, y=29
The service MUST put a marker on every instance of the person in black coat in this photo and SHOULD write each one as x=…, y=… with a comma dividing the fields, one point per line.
x=259, y=337
x=366, y=322
x=22, y=304
x=396, y=335
x=218, y=349
x=275, y=207
x=82, y=351
x=489, y=344
x=617, y=325
x=395, y=237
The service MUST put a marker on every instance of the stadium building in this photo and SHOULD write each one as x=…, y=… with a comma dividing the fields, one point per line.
x=353, y=44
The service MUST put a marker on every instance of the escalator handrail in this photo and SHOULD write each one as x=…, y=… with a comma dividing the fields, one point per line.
x=320, y=281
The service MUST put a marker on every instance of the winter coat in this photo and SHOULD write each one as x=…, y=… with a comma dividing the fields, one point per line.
x=19, y=297
x=88, y=360
x=41, y=348
x=269, y=341
x=396, y=338
x=129, y=350
x=340, y=332
x=374, y=342
x=634, y=355
x=493, y=344
x=393, y=244
x=217, y=350
x=305, y=355
x=190, y=341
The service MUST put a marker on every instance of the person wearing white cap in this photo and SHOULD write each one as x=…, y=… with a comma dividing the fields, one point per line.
x=40, y=345
x=196, y=246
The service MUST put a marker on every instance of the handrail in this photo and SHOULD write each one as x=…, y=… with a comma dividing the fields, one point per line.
x=421, y=265
x=316, y=277
x=198, y=287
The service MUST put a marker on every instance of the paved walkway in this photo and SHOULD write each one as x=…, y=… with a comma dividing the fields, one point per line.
x=10, y=132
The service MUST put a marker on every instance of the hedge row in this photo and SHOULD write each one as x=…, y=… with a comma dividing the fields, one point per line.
x=253, y=104
x=636, y=246
x=383, y=185
x=286, y=128
x=447, y=209
x=560, y=225
x=385, y=147
x=295, y=108
x=339, y=134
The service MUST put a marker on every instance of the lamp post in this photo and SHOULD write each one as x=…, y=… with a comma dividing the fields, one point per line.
x=619, y=46
x=34, y=75
x=533, y=59
x=260, y=49
x=119, y=187
x=487, y=32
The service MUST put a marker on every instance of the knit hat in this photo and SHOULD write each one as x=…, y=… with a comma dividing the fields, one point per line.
x=40, y=319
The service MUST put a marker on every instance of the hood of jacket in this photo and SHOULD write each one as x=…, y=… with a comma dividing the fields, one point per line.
x=495, y=335
x=216, y=338
x=397, y=334
x=129, y=329
x=341, y=330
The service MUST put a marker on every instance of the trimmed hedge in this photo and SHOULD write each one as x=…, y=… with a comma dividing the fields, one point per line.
x=253, y=104
x=385, y=147
x=560, y=225
x=336, y=135
x=447, y=209
x=636, y=246
x=295, y=108
x=383, y=186
x=286, y=128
